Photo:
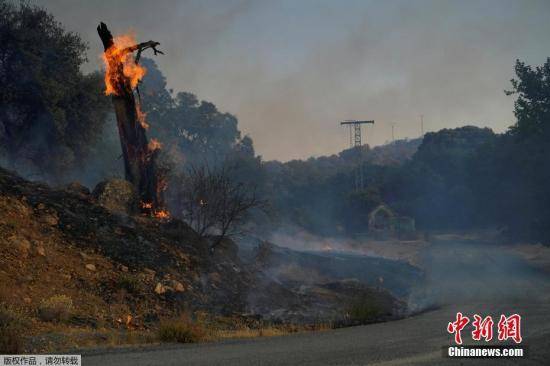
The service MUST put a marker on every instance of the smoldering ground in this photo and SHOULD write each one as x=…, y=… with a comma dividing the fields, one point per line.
x=459, y=271
x=449, y=270
x=311, y=265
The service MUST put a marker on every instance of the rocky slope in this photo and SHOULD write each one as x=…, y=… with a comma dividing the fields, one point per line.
x=128, y=271
x=61, y=241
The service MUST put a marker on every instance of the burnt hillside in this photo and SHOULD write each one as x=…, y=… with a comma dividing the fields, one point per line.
x=61, y=241
x=116, y=266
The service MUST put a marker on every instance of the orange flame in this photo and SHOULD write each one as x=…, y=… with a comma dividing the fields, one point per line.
x=162, y=214
x=154, y=145
x=159, y=214
x=146, y=204
x=116, y=56
x=141, y=117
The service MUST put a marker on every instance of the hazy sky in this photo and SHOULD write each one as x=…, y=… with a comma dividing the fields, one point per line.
x=290, y=70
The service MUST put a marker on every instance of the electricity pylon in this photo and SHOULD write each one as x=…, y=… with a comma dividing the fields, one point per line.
x=355, y=142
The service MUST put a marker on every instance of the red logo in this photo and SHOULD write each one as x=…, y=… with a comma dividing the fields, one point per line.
x=483, y=328
x=457, y=326
x=508, y=327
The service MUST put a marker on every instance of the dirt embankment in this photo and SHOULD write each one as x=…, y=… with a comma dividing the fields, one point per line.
x=75, y=261
x=110, y=269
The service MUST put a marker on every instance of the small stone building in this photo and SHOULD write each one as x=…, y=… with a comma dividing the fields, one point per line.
x=381, y=218
x=384, y=222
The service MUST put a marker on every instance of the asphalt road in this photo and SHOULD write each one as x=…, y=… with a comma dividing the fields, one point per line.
x=467, y=277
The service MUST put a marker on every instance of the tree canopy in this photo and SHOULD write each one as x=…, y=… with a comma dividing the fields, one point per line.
x=50, y=112
x=194, y=131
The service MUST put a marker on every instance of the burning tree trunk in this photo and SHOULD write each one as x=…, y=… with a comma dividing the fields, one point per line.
x=122, y=76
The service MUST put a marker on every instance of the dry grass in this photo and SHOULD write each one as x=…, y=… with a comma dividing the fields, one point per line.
x=202, y=328
x=218, y=334
x=181, y=330
x=11, y=327
x=261, y=329
x=56, y=308
x=107, y=338
x=63, y=339
x=63, y=336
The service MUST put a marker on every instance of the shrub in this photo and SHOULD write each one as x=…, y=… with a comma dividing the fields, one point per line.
x=56, y=308
x=364, y=310
x=181, y=330
x=129, y=283
x=11, y=340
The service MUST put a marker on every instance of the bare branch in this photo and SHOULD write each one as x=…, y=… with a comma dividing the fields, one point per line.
x=212, y=203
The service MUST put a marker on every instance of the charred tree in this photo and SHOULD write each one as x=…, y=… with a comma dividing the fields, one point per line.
x=212, y=202
x=140, y=155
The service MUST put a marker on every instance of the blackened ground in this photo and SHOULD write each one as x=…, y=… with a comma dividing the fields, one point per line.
x=128, y=271
x=461, y=271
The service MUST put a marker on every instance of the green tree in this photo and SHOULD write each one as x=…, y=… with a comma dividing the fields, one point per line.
x=532, y=106
x=436, y=187
x=49, y=111
x=525, y=153
x=193, y=131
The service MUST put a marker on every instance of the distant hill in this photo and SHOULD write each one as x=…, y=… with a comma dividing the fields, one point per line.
x=395, y=152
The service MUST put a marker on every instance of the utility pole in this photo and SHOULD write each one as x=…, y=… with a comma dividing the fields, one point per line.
x=356, y=143
x=392, y=132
